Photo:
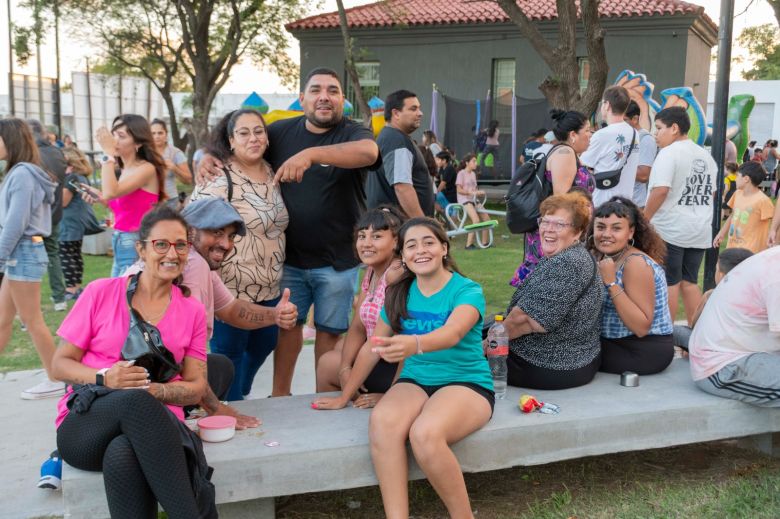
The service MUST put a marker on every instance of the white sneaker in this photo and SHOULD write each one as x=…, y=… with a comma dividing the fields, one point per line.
x=61, y=306
x=46, y=389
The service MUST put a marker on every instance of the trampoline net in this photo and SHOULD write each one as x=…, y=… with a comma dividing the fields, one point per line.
x=460, y=120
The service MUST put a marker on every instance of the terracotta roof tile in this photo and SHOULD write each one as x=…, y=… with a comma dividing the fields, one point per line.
x=443, y=12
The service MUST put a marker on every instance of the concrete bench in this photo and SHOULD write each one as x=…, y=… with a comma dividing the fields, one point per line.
x=97, y=244
x=328, y=450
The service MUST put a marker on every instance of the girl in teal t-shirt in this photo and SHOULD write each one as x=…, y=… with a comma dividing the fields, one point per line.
x=432, y=321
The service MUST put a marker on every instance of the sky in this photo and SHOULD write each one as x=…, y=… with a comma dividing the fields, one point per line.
x=73, y=55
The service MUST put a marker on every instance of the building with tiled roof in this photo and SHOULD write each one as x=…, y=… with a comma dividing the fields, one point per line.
x=467, y=47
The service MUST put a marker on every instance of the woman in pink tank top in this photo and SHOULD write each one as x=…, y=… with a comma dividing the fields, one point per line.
x=132, y=176
x=376, y=238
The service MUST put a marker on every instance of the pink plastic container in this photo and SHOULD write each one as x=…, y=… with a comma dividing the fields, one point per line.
x=217, y=428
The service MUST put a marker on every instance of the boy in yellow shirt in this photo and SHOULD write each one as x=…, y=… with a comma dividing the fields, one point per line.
x=730, y=184
x=748, y=225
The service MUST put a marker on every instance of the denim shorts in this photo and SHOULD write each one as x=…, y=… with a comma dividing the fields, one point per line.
x=330, y=291
x=123, y=245
x=28, y=261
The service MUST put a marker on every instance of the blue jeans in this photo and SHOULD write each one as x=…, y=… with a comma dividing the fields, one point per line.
x=27, y=261
x=329, y=290
x=247, y=349
x=123, y=244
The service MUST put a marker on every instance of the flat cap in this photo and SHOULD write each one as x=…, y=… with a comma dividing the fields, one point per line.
x=213, y=213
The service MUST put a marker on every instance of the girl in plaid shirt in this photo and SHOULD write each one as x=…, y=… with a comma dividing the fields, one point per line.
x=376, y=238
x=636, y=327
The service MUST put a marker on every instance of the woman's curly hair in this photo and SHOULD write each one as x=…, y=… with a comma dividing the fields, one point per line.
x=645, y=237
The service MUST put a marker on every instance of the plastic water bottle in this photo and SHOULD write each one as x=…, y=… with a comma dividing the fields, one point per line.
x=497, y=351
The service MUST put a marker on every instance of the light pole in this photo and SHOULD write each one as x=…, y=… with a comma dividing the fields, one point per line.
x=11, y=107
x=719, y=128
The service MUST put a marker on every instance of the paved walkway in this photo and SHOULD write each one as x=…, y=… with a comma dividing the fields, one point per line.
x=28, y=436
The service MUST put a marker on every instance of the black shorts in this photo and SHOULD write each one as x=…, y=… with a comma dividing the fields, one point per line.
x=381, y=377
x=489, y=395
x=682, y=264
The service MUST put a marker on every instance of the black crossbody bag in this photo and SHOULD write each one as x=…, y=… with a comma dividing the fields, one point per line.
x=144, y=344
x=610, y=179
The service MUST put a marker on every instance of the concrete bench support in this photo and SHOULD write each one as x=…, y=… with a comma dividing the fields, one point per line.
x=264, y=508
x=767, y=443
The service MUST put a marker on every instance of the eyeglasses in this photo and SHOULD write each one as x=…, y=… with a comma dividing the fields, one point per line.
x=554, y=225
x=163, y=246
x=244, y=133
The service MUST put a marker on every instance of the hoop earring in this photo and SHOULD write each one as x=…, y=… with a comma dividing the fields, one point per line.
x=631, y=242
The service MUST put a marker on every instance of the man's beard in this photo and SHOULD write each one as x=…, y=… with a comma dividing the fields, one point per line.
x=333, y=121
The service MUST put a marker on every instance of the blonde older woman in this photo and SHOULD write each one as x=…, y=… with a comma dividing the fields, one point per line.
x=553, y=319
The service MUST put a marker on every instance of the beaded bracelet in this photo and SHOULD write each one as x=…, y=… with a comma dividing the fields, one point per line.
x=419, y=348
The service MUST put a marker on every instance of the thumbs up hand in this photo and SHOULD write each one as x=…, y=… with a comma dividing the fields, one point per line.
x=286, y=312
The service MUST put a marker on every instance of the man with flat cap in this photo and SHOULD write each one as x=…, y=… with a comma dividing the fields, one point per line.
x=214, y=224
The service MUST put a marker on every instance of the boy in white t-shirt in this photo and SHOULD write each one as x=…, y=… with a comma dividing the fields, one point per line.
x=681, y=192
x=735, y=345
x=614, y=147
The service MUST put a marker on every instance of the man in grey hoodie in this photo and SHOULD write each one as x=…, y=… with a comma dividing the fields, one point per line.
x=54, y=162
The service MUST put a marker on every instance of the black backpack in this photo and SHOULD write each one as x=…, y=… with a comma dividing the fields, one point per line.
x=480, y=140
x=528, y=189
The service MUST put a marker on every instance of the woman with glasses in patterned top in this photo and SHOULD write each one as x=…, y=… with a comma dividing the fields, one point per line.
x=252, y=271
x=636, y=327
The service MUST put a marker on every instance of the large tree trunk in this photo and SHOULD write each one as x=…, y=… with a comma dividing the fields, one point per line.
x=349, y=64
x=562, y=86
x=776, y=7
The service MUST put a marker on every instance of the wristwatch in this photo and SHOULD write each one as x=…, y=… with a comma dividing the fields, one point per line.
x=100, y=377
x=105, y=159
x=610, y=285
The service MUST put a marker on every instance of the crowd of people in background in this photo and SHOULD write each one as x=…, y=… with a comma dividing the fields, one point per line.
x=275, y=228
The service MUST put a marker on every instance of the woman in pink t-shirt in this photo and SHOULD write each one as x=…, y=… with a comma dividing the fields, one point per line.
x=128, y=149
x=466, y=186
x=130, y=433
x=376, y=239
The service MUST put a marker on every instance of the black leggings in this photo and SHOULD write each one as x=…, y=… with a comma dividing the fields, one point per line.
x=645, y=356
x=72, y=262
x=132, y=438
x=524, y=374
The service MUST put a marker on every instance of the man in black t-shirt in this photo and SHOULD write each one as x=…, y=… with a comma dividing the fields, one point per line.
x=54, y=162
x=402, y=178
x=320, y=160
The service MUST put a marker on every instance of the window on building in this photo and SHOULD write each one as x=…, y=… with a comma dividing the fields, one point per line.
x=502, y=90
x=368, y=75
x=584, y=72
x=503, y=76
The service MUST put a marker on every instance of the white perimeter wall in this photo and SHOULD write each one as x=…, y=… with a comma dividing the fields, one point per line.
x=765, y=117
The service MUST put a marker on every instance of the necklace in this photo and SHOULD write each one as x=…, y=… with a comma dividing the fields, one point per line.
x=156, y=317
x=616, y=257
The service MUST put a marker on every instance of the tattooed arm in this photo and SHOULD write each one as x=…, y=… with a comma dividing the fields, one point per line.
x=189, y=390
x=249, y=316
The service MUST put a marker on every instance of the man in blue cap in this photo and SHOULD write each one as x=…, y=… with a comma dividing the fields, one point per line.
x=214, y=224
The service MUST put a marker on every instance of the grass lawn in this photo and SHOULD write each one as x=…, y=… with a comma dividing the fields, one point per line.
x=707, y=480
